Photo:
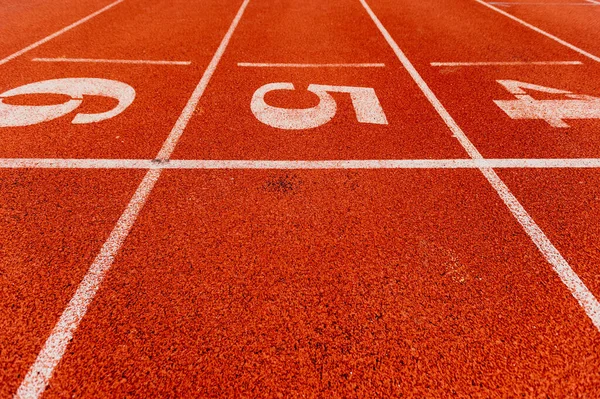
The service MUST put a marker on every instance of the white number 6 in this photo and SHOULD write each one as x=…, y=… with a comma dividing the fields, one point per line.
x=364, y=100
x=25, y=115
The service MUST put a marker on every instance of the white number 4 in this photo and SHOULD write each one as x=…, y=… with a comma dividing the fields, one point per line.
x=364, y=100
x=554, y=112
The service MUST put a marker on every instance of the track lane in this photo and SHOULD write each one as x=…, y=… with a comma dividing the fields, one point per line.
x=63, y=139
x=53, y=223
x=139, y=131
x=24, y=23
x=289, y=32
x=332, y=283
x=576, y=24
x=450, y=34
x=38, y=377
x=466, y=92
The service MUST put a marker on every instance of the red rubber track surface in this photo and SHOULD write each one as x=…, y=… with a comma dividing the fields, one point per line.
x=330, y=284
x=283, y=31
x=312, y=283
x=441, y=31
x=571, y=220
x=164, y=30
x=29, y=21
x=53, y=224
x=577, y=24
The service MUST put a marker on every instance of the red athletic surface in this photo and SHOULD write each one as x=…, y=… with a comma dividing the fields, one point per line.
x=26, y=22
x=570, y=221
x=467, y=31
x=322, y=283
x=283, y=32
x=332, y=284
x=577, y=24
x=53, y=224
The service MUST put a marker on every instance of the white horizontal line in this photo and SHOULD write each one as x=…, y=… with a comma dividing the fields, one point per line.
x=49, y=163
x=59, y=32
x=510, y=3
x=541, y=32
x=489, y=63
x=100, y=60
x=284, y=65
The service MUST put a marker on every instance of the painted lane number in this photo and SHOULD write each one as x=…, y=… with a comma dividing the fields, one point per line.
x=554, y=112
x=364, y=101
x=76, y=88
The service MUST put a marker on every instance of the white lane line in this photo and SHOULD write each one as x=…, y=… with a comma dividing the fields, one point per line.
x=542, y=32
x=510, y=3
x=500, y=163
x=169, y=145
x=58, y=33
x=502, y=63
x=38, y=376
x=58, y=163
x=100, y=60
x=576, y=286
x=284, y=65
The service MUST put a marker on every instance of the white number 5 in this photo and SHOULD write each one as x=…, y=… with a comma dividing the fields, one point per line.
x=364, y=100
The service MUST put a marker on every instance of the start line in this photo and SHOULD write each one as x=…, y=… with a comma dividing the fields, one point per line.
x=50, y=163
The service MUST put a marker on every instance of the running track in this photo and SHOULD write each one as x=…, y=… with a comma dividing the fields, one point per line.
x=419, y=241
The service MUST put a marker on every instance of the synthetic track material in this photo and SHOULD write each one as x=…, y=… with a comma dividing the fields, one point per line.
x=331, y=283
x=324, y=279
x=38, y=376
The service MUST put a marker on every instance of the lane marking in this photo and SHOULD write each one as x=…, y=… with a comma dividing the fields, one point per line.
x=101, y=60
x=542, y=32
x=284, y=65
x=58, y=33
x=188, y=164
x=554, y=112
x=38, y=376
x=502, y=63
x=576, y=286
x=76, y=88
x=169, y=145
x=508, y=3
x=364, y=101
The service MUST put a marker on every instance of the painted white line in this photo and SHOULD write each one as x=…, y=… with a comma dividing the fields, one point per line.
x=542, y=32
x=502, y=63
x=169, y=145
x=100, y=60
x=56, y=163
x=284, y=65
x=578, y=289
x=501, y=163
x=510, y=3
x=58, y=33
x=38, y=376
